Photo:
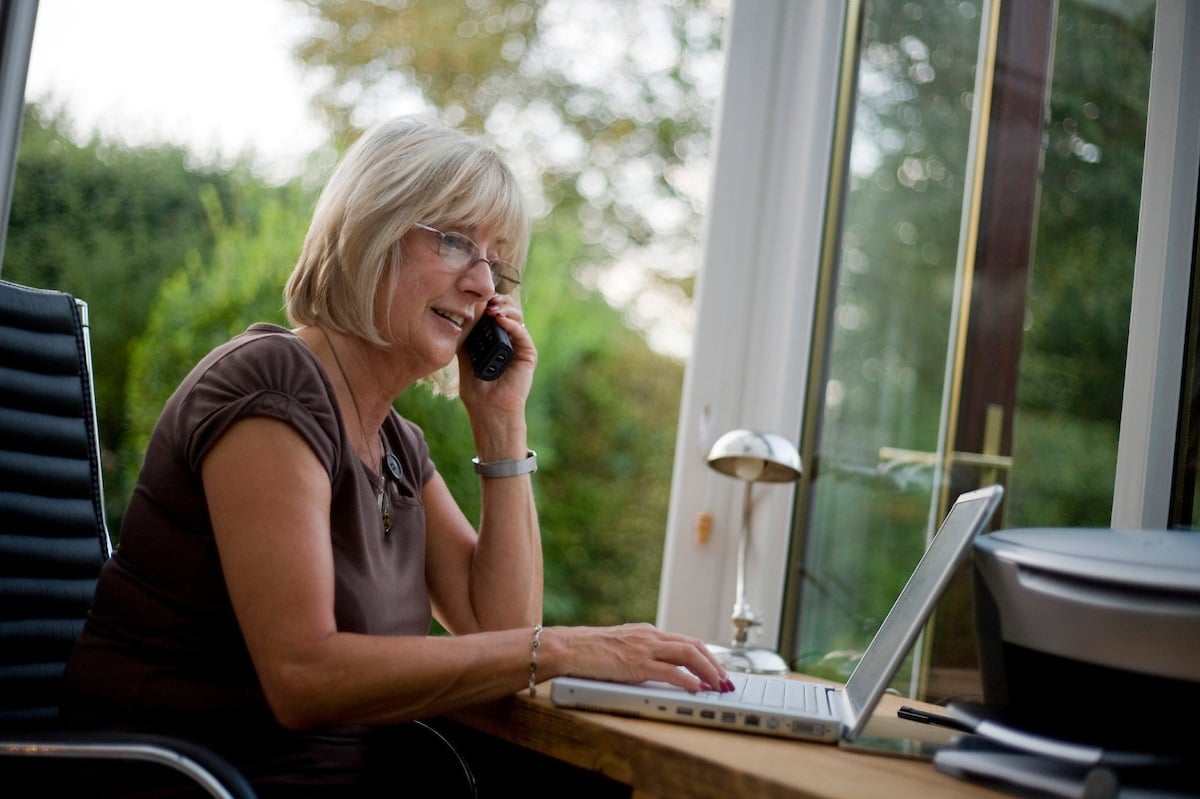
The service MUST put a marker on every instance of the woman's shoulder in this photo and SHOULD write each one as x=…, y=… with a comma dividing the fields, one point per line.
x=266, y=336
x=263, y=351
x=264, y=358
x=266, y=370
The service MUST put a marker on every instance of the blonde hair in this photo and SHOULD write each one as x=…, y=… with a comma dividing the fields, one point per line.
x=397, y=174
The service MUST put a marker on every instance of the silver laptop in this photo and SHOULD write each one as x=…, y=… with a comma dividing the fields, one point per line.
x=795, y=708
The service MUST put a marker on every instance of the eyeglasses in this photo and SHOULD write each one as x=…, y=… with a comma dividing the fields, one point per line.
x=460, y=254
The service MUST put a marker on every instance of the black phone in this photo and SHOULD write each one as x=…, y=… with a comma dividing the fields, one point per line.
x=488, y=348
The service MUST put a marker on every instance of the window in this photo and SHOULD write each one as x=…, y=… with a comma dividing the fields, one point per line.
x=974, y=297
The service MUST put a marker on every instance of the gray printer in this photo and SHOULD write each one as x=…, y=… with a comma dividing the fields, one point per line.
x=1092, y=635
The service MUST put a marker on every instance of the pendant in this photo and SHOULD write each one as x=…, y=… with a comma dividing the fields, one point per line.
x=392, y=467
x=385, y=510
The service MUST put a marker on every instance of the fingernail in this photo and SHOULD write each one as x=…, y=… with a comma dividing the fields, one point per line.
x=727, y=685
x=705, y=686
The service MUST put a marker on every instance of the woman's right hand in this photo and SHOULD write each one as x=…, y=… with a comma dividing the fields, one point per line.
x=632, y=653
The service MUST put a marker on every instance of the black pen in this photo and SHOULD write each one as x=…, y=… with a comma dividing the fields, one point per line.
x=912, y=714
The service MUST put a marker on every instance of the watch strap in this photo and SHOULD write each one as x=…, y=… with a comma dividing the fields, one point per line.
x=509, y=467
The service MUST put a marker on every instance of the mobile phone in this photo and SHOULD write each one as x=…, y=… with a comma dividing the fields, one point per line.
x=488, y=348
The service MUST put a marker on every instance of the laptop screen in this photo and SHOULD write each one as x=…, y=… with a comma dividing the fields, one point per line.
x=968, y=517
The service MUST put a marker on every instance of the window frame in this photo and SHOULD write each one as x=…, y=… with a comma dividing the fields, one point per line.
x=17, y=18
x=1166, y=251
x=755, y=315
x=756, y=302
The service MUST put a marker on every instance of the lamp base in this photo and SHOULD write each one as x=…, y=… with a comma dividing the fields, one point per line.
x=750, y=660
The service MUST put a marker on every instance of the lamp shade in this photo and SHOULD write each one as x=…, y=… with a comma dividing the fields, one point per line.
x=753, y=456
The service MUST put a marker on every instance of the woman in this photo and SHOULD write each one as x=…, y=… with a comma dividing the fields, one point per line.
x=289, y=539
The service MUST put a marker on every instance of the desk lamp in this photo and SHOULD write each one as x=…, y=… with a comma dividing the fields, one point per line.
x=751, y=457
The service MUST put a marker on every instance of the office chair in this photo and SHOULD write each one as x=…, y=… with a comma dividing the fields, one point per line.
x=53, y=541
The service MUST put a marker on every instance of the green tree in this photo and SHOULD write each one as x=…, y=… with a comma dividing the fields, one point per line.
x=605, y=105
x=603, y=412
x=105, y=223
x=208, y=300
x=1081, y=286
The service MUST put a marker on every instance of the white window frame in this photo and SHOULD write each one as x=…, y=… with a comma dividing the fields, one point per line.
x=756, y=295
x=1162, y=272
x=754, y=302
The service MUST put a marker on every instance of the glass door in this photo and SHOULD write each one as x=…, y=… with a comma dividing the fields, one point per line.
x=977, y=307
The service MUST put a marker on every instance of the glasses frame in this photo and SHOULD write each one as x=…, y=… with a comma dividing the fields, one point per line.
x=503, y=273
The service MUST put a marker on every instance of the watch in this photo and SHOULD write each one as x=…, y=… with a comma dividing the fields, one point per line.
x=509, y=467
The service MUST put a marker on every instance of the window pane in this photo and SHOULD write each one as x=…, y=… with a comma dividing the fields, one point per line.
x=889, y=333
x=1077, y=314
x=903, y=377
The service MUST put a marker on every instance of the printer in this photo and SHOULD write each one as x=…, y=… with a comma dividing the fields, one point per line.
x=1092, y=635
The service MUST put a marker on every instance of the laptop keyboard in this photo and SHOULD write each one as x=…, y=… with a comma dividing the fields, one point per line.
x=780, y=693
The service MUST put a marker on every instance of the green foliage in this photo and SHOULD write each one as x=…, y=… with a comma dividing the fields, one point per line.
x=175, y=261
x=1080, y=291
x=605, y=501
x=607, y=104
x=606, y=410
x=106, y=224
x=208, y=301
x=1075, y=484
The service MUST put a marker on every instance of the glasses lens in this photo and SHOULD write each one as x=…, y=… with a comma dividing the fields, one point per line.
x=504, y=277
x=458, y=251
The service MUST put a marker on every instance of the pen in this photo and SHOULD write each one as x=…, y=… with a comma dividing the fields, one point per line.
x=912, y=714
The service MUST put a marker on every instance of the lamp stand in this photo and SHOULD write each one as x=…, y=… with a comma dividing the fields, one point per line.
x=738, y=656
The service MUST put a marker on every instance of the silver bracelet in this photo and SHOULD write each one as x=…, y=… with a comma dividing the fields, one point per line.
x=509, y=467
x=533, y=648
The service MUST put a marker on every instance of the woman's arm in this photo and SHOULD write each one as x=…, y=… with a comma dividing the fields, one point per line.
x=492, y=580
x=269, y=498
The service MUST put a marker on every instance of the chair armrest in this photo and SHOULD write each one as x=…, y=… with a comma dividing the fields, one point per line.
x=208, y=769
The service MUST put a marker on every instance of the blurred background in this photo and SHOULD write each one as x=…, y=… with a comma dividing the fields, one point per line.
x=169, y=161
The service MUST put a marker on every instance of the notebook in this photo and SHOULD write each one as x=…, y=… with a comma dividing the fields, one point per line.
x=797, y=708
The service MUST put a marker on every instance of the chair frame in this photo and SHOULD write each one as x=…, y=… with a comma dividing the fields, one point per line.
x=37, y=737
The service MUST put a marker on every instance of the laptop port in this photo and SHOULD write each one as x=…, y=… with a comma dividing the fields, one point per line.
x=729, y=718
x=684, y=711
x=707, y=714
x=752, y=721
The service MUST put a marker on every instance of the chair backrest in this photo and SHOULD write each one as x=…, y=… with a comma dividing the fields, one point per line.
x=53, y=535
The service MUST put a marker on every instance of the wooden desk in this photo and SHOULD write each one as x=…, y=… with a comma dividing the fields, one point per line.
x=659, y=760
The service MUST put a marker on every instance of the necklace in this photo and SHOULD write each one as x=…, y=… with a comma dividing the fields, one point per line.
x=389, y=463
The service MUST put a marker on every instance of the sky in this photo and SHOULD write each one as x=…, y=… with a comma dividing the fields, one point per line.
x=215, y=76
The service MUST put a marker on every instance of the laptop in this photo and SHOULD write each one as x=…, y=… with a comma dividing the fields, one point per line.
x=797, y=708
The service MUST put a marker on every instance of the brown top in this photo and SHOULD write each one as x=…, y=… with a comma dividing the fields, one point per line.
x=162, y=647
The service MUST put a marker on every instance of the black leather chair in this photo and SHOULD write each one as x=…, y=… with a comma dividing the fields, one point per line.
x=53, y=541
